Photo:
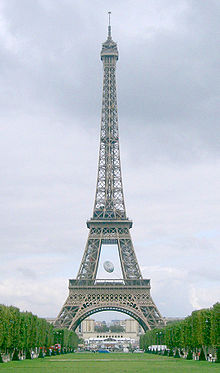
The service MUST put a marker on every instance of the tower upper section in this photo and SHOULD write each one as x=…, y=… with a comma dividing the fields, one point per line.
x=109, y=199
x=109, y=48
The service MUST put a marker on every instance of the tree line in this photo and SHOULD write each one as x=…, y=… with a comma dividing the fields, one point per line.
x=199, y=331
x=111, y=329
x=23, y=331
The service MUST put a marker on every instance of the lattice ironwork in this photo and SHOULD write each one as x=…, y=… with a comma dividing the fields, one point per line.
x=109, y=200
x=109, y=233
x=109, y=225
x=88, y=297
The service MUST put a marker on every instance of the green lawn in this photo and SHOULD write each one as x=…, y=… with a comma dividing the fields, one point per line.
x=109, y=363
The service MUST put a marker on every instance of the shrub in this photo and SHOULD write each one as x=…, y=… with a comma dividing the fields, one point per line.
x=1, y=361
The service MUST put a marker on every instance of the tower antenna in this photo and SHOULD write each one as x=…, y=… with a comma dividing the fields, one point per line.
x=109, y=24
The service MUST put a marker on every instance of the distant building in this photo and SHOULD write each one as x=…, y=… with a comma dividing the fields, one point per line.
x=111, y=340
x=51, y=320
x=170, y=320
x=118, y=323
x=87, y=326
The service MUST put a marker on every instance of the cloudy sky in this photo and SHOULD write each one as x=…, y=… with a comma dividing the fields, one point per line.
x=50, y=103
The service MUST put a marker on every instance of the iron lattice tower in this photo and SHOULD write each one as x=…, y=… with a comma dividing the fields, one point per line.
x=109, y=225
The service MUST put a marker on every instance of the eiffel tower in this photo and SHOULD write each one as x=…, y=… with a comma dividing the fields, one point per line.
x=109, y=225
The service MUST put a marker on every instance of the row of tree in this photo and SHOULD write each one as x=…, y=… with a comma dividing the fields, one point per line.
x=201, y=329
x=24, y=331
x=111, y=328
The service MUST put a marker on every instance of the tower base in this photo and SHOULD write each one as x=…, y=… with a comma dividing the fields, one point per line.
x=87, y=297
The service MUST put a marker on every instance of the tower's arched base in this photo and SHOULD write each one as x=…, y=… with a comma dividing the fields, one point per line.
x=87, y=297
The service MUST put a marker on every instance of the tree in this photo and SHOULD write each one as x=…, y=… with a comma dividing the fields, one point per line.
x=23, y=330
x=171, y=352
x=202, y=355
x=177, y=355
x=189, y=355
x=217, y=355
x=200, y=330
x=41, y=355
x=15, y=356
x=101, y=329
x=28, y=355
x=215, y=325
x=117, y=329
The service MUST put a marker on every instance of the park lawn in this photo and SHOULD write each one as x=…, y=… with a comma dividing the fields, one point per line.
x=108, y=363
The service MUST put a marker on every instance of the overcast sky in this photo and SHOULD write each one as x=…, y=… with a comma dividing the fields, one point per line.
x=50, y=103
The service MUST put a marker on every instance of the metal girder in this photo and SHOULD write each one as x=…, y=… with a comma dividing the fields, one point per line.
x=109, y=204
x=106, y=234
x=109, y=199
x=84, y=300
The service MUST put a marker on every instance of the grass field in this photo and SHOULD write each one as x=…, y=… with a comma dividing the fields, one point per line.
x=109, y=363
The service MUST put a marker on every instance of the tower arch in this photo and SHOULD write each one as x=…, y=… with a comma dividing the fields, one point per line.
x=92, y=311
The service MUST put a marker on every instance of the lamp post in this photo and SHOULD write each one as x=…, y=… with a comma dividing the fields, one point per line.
x=207, y=335
x=157, y=340
x=160, y=334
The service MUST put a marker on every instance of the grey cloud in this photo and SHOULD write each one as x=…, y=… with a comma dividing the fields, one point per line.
x=26, y=272
x=168, y=93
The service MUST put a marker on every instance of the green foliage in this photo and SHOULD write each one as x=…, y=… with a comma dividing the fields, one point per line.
x=41, y=355
x=218, y=355
x=215, y=325
x=177, y=355
x=202, y=328
x=15, y=356
x=202, y=355
x=28, y=355
x=1, y=360
x=171, y=352
x=48, y=352
x=101, y=329
x=141, y=342
x=66, y=338
x=25, y=331
x=189, y=355
x=117, y=329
